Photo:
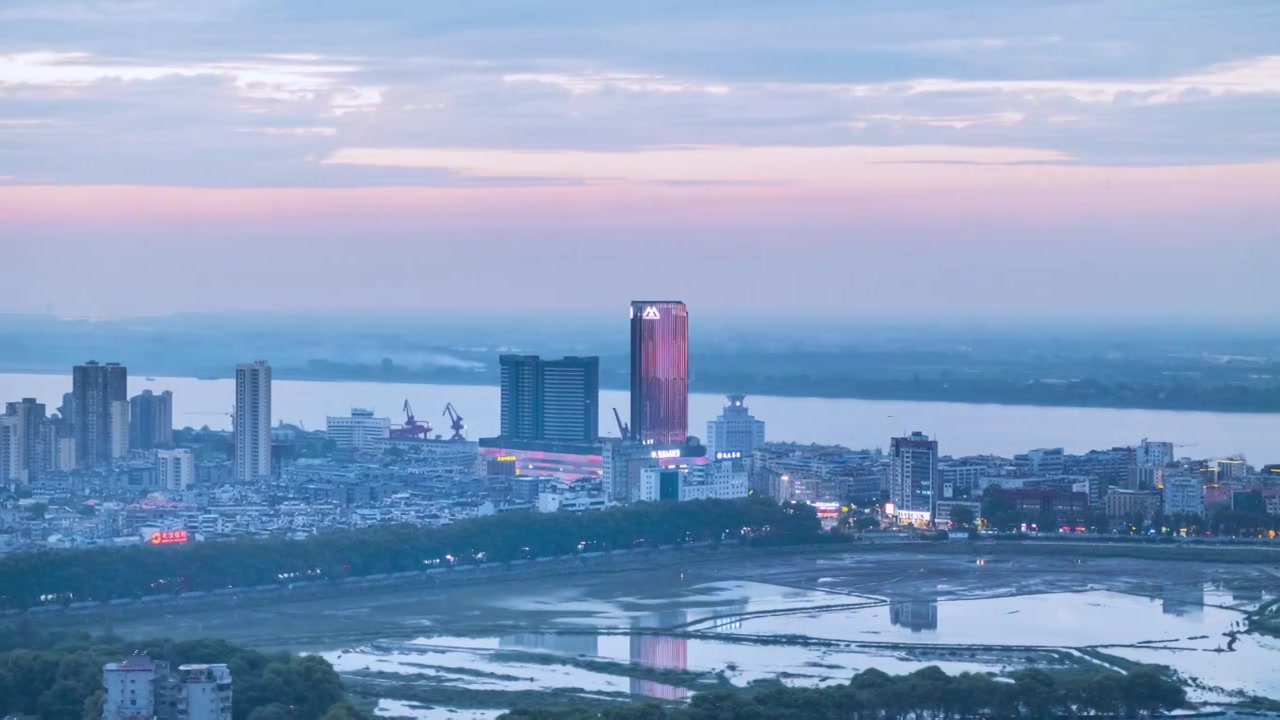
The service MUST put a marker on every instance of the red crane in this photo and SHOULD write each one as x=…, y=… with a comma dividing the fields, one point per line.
x=455, y=421
x=624, y=430
x=411, y=428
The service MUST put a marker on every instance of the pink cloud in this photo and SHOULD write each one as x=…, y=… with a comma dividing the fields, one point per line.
x=896, y=190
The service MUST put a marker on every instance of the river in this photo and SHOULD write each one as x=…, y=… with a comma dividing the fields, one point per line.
x=961, y=429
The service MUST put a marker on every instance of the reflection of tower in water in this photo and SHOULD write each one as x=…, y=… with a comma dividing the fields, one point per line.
x=1247, y=591
x=729, y=617
x=563, y=643
x=658, y=652
x=916, y=613
x=1185, y=600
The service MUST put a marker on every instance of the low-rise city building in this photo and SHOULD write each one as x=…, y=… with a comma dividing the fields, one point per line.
x=723, y=480
x=358, y=431
x=1183, y=495
x=1123, y=504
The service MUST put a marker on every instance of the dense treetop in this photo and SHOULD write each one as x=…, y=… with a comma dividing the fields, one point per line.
x=129, y=573
x=927, y=694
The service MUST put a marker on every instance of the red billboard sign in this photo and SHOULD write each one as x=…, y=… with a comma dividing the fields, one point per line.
x=168, y=537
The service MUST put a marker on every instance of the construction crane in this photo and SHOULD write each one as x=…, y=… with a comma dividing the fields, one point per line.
x=624, y=430
x=455, y=421
x=412, y=428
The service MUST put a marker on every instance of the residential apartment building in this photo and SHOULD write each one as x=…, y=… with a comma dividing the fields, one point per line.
x=203, y=692
x=253, y=421
x=151, y=420
x=100, y=413
x=1183, y=495
x=175, y=469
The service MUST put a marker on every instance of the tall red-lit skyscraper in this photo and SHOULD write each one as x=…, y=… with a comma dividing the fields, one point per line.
x=659, y=371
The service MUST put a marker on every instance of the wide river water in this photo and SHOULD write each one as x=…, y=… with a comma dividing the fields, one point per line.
x=961, y=429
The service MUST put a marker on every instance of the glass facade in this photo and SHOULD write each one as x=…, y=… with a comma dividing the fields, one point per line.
x=659, y=372
x=556, y=400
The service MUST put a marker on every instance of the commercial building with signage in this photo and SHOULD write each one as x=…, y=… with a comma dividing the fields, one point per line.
x=723, y=480
x=659, y=372
x=566, y=461
x=914, y=482
x=624, y=463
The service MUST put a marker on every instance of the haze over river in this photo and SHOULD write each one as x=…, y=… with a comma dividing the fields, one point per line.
x=961, y=429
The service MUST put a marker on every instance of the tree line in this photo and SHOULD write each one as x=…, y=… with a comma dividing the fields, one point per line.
x=1001, y=513
x=58, y=676
x=926, y=694
x=129, y=573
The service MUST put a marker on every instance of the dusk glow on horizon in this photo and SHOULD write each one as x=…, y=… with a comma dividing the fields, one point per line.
x=1030, y=159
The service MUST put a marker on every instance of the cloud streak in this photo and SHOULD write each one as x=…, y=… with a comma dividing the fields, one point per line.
x=1256, y=76
x=821, y=166
x=288, y=78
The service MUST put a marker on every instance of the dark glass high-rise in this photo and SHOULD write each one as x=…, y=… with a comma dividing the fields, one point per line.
x=659, y=371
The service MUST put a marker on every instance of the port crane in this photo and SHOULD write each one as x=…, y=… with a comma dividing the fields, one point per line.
x=455, y=422
x=624, y=430
x=412, y=428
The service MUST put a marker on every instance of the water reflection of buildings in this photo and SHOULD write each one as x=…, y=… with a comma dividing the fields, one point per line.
x=916, y=613
x=659, y=652
x=1245, y=592
x=664, y=652
x=727, y=618
x=567, y=643
x=1186, y=600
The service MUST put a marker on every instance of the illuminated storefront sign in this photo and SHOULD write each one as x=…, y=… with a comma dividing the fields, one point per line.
x=169, y=537
x=665, y=454
x=827, y=509
x=728, y=455
x=505, y=458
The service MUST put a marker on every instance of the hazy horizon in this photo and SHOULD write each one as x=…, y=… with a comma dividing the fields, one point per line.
x=1015, y=162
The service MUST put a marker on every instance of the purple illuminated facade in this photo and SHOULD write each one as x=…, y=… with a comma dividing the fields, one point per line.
x=659, y=372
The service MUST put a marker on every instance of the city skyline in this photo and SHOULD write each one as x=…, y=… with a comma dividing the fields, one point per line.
x=854, y=159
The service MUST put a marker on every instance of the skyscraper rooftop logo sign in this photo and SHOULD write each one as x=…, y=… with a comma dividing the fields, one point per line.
x=650, y=313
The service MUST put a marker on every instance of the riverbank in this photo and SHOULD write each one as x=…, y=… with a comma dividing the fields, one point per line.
x=962, y=429
x=605, y=625
x=640, y=561
x=799, y=386
x=624, y=561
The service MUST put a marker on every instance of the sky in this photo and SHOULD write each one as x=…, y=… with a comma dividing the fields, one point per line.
x=1056, y=159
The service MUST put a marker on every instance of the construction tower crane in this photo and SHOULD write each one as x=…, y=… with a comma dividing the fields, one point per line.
x=624, y=430
x=455, y=421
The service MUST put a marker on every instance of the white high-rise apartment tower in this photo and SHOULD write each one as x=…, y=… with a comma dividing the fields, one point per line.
x=253, y=421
